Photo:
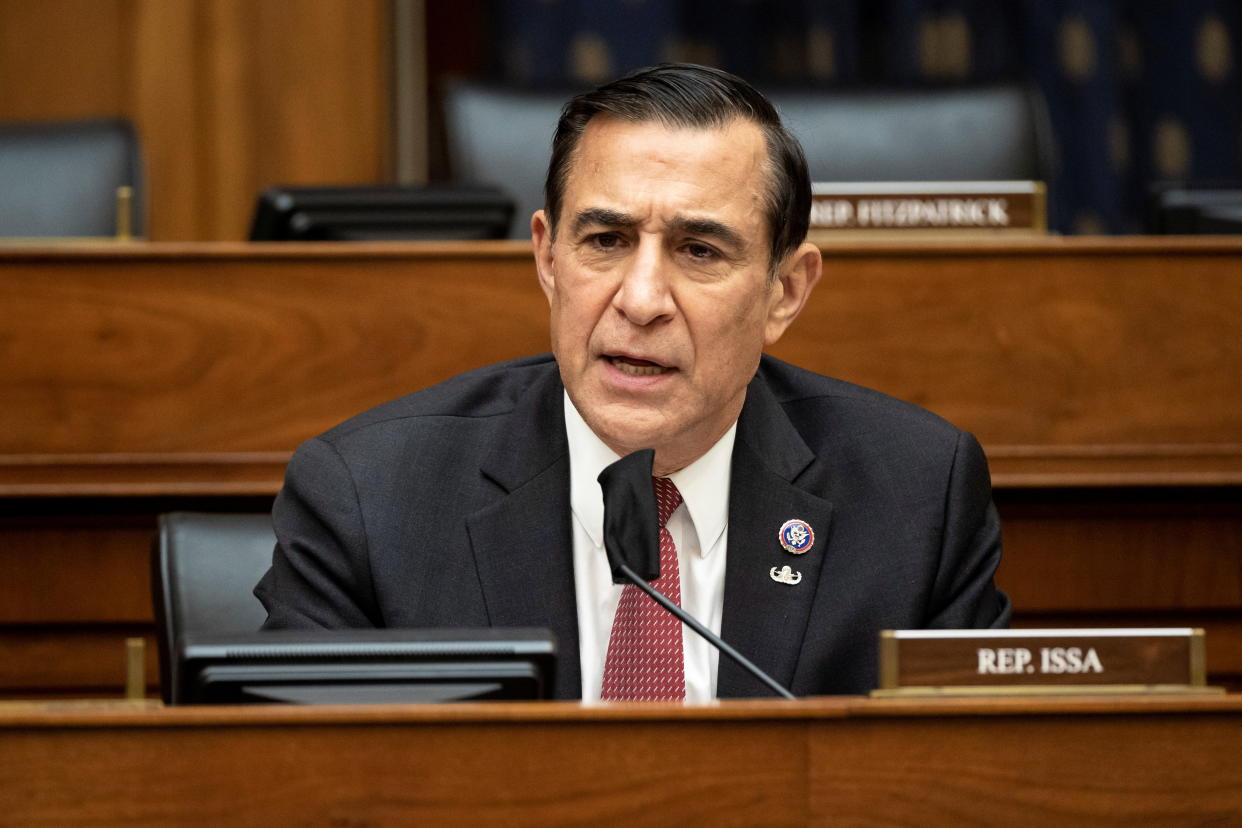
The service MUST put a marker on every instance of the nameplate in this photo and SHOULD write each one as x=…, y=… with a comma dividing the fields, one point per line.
x=932, y=662
x=928, y=207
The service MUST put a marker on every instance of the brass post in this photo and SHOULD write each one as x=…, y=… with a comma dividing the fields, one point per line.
x=135, y=669
x=124, y=213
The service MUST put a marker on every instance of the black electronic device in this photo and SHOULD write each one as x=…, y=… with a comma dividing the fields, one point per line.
x=1195, y=208
x=431, y=213
x=382, y=666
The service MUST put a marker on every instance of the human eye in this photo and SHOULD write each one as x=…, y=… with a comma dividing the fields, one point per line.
x=700, y=252
x=605, y=241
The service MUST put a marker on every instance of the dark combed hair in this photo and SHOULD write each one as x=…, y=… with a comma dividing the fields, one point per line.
x=688, y=95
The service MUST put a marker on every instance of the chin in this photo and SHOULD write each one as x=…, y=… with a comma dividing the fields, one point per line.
x=628, y=432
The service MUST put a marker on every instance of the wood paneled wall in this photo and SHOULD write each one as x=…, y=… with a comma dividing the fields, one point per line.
x=229, y=96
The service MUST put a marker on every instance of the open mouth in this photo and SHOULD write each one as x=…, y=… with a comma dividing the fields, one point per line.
x=633, y=367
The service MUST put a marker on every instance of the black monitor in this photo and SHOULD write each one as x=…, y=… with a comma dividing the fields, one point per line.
x=364, y=666
x=432, y=213
x=1225, y=220
x=1195, y=208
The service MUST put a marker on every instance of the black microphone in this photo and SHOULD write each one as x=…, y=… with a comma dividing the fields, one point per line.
x=632, y=541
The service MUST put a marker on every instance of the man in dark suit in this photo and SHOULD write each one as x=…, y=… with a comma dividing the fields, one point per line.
x=807, y=514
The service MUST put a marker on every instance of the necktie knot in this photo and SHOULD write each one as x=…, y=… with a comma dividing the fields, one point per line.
x=668, y=498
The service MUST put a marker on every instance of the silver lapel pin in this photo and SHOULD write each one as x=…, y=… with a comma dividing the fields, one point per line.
x=785, y=575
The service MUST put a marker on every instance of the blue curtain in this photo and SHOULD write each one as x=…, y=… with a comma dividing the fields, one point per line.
x=1137, y=90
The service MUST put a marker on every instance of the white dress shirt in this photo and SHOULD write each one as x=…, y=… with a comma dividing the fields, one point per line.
x=699, y=528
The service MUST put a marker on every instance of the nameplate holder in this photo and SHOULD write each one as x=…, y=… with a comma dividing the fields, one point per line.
x=1036, y=662
x=927, y=208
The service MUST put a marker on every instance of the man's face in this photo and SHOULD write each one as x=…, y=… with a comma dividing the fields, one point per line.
x=657, y=282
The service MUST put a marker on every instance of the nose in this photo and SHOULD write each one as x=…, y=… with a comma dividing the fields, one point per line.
x=644, y=294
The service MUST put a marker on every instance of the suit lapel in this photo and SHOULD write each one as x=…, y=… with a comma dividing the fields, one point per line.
x=765, y=619
x=522, y=541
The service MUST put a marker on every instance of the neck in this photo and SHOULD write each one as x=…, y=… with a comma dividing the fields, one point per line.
x=674, y=457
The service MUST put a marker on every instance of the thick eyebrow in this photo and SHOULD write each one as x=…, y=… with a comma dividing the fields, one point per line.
x=704, y=227
x=601, y=217
x=711, y=229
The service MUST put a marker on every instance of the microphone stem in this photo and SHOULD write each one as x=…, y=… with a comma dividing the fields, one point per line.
x=715, y=640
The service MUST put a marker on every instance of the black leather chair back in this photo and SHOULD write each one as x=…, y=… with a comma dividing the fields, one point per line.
x=503, y=136
x=203, y=571
x=996, y=133
x=60, y=179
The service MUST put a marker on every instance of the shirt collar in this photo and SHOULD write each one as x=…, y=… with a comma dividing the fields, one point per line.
x=704, y=484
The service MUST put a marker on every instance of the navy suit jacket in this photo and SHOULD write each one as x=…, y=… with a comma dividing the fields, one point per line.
x=450, y=507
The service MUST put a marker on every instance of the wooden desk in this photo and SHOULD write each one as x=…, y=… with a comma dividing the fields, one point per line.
x=844, y=761
x=1101, y=375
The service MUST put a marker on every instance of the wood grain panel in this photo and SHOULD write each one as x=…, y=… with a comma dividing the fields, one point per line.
x=83, y=563
x=64, y=59
x=1057, y=343
x=72, y=570
x=169, y=105
x=229, y=97
x=233, y=97
x=158, y=351
x=77, y=660
x=1025, y=770
x=1182, y=550
x=826, y=761
x=518, y=774
x=250, y=353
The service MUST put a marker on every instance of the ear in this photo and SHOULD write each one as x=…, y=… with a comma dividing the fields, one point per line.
x=541, y=238
x=794, y=282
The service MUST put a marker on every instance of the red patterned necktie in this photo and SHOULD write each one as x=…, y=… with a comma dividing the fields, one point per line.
x=644, y=660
